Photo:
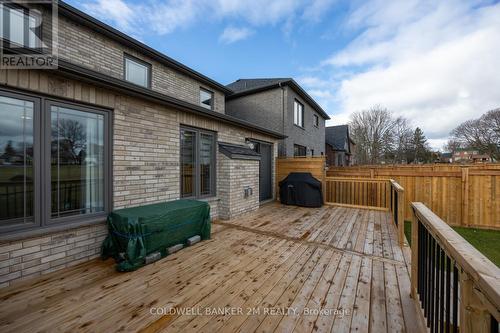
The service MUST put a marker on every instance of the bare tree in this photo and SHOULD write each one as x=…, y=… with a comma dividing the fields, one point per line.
x=403, y=136
x=482, y=134
x=453, y=145
x=71, y=139
x=372, y=131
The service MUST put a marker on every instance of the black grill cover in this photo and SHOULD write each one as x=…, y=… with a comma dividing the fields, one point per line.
x=301, y=189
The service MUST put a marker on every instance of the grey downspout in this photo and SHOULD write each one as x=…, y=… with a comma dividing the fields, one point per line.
x=283, y=115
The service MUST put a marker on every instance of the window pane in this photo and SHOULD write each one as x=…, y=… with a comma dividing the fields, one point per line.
x=295, y=113
x=16, y=159
x=77, y=162
x=206, y=99
x=301, y=115
x=188, y=158
x=16, y=26
x=206, y=165
x=32, y=38
x=136, y=73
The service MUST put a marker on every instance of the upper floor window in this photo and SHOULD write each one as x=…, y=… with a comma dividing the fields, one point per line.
x=137, y=71
x=20, y=26
x=298, y=114
x=316, y=120
x=206, y=99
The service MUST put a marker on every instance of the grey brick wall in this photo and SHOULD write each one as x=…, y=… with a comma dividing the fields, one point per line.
x=263, y=108
x=145, y=168
x=266, y=109
x=310, y=136
x=81, y=45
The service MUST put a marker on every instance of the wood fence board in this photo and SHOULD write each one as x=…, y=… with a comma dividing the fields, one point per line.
x=449, y=190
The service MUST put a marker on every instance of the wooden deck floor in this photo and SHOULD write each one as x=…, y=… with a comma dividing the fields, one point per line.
x=285, y=268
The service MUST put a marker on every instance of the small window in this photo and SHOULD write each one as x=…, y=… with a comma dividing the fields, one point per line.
x=137, y=71
x=299, y=150
x=316, y=120
x=21, y=26
x=312, y=152
x=298, y=114
x=206, y=98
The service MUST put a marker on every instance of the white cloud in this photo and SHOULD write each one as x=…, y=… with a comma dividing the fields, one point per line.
x=434, y=62
x=234, y=34
x=165, y=16
x=317, y=9
x=116, y=11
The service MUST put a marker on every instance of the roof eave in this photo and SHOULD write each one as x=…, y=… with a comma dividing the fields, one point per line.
x=290, y=83
x=93, y=23
x=84, y=74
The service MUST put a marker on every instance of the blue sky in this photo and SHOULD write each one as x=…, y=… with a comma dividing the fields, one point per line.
x=434, y=62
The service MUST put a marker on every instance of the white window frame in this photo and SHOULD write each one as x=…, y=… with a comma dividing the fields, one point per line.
x=298, y=114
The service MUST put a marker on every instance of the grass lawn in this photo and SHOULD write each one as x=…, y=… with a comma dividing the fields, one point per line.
x=486, y=241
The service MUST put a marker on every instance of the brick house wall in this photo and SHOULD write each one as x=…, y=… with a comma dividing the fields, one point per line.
x=86, y=47
x=265, y=108
x=235, y=175
x=146, y=169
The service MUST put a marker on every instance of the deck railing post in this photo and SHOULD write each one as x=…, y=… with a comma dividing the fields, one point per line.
x=401, y=218
x=474, y=316
x=414, y=257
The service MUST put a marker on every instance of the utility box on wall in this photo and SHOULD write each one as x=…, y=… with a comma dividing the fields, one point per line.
x=247, y=191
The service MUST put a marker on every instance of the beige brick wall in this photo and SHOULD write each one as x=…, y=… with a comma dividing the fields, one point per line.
x=145, y=166
x=81, y=45
x=31, y=257
x=235, y=176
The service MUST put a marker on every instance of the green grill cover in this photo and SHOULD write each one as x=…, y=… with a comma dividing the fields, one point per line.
x=138, y=231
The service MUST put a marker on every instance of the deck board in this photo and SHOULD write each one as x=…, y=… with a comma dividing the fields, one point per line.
x=277, y=258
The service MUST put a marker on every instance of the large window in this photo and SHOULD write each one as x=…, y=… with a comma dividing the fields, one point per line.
x=206, y=99
x=298, y=114
x=299, y=150
x=197, y=163
x=16, y=160
x=137, y=71
x=20, y=26
x=77, y=162
x=54, y=162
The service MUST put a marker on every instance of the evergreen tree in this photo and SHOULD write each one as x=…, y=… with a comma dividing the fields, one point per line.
x=420, y=147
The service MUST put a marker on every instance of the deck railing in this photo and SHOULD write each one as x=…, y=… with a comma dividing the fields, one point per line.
x=378, y=194
x=457, y=287
x=398, y=209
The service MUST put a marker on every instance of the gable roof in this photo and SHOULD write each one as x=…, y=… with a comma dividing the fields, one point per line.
x=336, y=136
x=244, y=87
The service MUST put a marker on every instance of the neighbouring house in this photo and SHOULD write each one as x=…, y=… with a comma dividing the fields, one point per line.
x=446, y=158
x=117, y=124
x=467, y=155
x=280, y=105
x=339, y=146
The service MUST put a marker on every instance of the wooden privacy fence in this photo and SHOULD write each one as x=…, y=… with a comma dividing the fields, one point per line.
x=314, y=165
x=457, y=287
x=462, y=195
